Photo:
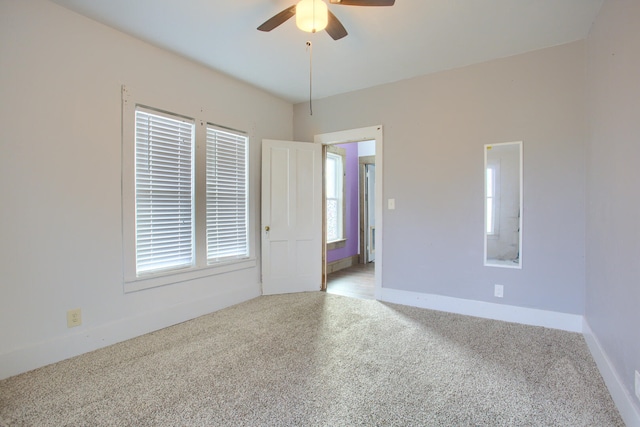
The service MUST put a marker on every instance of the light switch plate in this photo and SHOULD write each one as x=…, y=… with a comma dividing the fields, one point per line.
x=392, y=204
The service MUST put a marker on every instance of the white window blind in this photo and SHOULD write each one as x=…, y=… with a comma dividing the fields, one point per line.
x=164, y=191
x=227, y=196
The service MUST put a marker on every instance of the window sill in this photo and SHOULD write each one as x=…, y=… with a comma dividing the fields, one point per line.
x=336, y=244
x=162, y=279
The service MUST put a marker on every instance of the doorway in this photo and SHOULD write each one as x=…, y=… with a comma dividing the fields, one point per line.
x=350, y=218
x=357, y=270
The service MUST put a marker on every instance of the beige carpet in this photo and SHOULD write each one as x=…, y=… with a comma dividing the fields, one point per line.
x=321, y=360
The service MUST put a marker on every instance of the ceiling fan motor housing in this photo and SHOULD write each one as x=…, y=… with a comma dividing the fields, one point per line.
x=312, y=15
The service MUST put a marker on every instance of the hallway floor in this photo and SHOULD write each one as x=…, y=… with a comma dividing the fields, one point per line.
x=357, y=281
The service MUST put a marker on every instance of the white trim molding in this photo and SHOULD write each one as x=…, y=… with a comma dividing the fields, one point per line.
x=621, y=397
x=487, y=310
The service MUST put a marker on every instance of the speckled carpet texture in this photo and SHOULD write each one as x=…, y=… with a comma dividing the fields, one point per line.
x=321, y=360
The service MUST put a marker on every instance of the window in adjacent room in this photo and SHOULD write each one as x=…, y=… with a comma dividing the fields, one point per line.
x=335, y=191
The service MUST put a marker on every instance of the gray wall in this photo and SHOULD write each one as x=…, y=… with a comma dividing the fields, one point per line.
x=60, y=175
x=613, y=178
x=434, y=131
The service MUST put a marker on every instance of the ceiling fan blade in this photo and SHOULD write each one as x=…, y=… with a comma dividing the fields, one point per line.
x=364, y=2
x=335, y=28
x=278, y=19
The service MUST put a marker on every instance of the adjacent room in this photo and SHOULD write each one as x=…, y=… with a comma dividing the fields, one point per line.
x=179, y=180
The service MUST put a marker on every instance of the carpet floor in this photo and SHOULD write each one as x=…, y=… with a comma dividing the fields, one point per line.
x=316, y=359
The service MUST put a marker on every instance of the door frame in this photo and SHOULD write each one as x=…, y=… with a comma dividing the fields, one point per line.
x=356, y=135
x=363, y=186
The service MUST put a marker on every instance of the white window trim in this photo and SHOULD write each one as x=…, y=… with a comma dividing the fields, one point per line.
x=132, y=282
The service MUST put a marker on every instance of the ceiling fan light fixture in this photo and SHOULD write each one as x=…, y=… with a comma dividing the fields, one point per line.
x=312, y=15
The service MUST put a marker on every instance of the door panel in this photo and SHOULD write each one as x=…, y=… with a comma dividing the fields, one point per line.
x=291, y=217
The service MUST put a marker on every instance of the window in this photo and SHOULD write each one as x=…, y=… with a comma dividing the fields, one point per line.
x=335, y=166
x=186, y=210
x=227, y=230
x=164, y=191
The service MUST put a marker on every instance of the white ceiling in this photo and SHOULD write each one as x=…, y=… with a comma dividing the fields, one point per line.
x=385, y=44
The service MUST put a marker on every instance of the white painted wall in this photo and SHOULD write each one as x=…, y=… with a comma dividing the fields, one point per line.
x=366, y=148
x=60, y=175
x=435, y=128
x=613, y=208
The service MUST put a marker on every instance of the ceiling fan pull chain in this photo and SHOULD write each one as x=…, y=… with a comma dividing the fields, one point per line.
x=310, y=50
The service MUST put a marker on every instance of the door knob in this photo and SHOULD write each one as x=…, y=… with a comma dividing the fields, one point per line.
x=266, y=228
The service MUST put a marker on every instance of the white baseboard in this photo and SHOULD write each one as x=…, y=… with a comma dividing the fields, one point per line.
x=44, y=353
x=341, y=264
x=619, y=394
x=487, y=310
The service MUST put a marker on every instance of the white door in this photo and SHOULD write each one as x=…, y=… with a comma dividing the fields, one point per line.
x=291, y=217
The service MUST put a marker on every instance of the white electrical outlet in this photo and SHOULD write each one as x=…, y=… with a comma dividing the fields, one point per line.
x=638, y=385
x=498, y=291
x=74, y=318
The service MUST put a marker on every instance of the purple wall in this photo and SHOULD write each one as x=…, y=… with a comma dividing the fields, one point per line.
x=351, y=212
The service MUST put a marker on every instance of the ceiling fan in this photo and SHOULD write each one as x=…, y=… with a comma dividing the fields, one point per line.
x=313, y=16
